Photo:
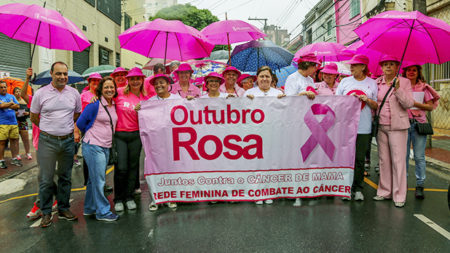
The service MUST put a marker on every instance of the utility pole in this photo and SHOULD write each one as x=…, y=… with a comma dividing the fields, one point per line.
x=261, y=19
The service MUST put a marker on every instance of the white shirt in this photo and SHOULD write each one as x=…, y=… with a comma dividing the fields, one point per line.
x=370, y=88
x=296, y=83
x=221, y=95
x=257, y=92
x=171, y=96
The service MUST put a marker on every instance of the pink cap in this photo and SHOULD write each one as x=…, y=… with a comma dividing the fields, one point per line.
x=184, y=67
x=410, y=64
x=388, y=58
x=308, y=58
x=153, y=79
x=231, y=68
x=331, y=69
x=94, y=75
x=118, y=70
x=135, y=72
x=359, y=59
x=214, y=74
x=245, y=76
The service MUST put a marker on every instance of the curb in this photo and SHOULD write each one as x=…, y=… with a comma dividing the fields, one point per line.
x=18, y=172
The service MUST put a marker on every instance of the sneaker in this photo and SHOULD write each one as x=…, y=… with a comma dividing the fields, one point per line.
x=34, y=213
x=118, y=207
x=346, y=198
x=377, y=169
x=109, y=217
x=88, y=213
x=419, y=192
x=378, y=198
x=359, y=196
x=67, y=215
x=16, y=162
x=399, y=204
x=298, y=202
x=153, y=206
x=269, y=201
x=76, y=162
x=46, y=220
x=172, y=205
x=137, y=191
x=55, y=205
x=18, y=157
x=3, y=164
x=259, y=202
x=29, y=157
x=131, y=205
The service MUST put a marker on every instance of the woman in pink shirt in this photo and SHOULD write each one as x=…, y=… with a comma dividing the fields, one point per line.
x=329, y=84
x=418, y=115
x=393, y=131
x=231, y=75
x=86, y=96
x=184, y=86
x=127, y=138
x=98, y=121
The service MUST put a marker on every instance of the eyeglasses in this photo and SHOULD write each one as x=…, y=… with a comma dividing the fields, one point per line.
x=213, y=81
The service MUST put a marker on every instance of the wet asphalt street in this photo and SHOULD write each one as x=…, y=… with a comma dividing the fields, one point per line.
x=324, y=225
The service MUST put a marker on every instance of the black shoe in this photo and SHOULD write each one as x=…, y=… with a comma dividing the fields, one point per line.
x=67, y=215
x=108, y=188
x=3, y=165
x=46, y=220
x=419, y=192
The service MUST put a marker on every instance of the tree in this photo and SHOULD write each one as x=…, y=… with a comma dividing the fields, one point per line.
x=188, y=14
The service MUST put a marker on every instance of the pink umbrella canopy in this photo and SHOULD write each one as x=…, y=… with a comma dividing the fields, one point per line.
x=231, y=31
x=325, y=51
x=39, y=26
x=166, y=39
x=374, y=56
x=410, y=36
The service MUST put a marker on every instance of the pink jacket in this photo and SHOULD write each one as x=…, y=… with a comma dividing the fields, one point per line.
x=399, y=103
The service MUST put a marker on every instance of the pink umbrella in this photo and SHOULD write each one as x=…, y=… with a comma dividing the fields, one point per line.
x=410, y=36
x=39, y=26
x=152, y=62
x=374, y=56
x=327, y=51
x=226, y=32
x=153, y=39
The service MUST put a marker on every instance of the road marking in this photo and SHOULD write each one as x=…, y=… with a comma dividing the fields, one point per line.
x=375, y=186
x=433, y=225
x=372, y=184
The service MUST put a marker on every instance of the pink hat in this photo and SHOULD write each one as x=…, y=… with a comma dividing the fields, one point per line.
x=388, y=58
x=231, y=68
x=359, y=59
x=135, y=72
x=119, y=70
x=153, y=79
x=214, y=74
x=410, y=64
x=94, y=75
x=308, y=58
x=245, y=76
x=331, y=69
x=184, y=67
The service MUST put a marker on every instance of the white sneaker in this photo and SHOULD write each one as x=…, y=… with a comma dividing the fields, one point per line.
x=259, y=202
x=172, y=205
x=269, y=201
x=359, y=196
x=399, y=204
x=378, y=198
x=131, y=205
x=118, y=207
x=298, y=202
x=153, y=207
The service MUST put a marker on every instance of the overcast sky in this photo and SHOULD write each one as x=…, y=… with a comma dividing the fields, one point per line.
x=284, y=13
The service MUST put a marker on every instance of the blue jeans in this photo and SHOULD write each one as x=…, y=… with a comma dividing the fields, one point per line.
x=95, y=201
x=418, y=142
x=51, y=151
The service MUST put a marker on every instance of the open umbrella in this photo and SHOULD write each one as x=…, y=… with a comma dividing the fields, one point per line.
x=39, y=26
x=45, y=78
x=226, y=32
x=410, y=36
x=326, y=51
x=254, y=54
x=166, y=39
x=103, y=70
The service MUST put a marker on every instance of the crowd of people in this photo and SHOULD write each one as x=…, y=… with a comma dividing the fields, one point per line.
x=104, y=119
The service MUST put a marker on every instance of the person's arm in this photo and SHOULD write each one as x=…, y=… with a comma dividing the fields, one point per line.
x=35, y=119
x=24, y=93
x=4, y=105
x=428, y=106
x=14, y=104
x=76, y=116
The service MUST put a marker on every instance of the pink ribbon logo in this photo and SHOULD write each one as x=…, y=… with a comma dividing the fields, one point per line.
x=319, y=130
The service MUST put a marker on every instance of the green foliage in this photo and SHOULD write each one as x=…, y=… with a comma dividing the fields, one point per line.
x=188, y=14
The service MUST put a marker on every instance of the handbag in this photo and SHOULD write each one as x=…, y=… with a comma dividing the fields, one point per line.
x=113, y=150
x=424, y=128
x=376, y=117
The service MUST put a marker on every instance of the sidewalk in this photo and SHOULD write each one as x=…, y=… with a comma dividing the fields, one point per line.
x=13, y=170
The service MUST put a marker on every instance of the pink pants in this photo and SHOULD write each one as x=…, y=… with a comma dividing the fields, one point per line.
x=392, y=153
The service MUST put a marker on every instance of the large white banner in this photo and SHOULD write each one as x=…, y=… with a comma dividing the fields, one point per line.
x=239, y=149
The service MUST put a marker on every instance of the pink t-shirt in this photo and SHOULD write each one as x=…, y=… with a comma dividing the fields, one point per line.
x=420, y=115
x=192, y=90
x=149, y=88
x=100, y=133
x=238, y=91
x=86, y=98
x=127, y=117
x=324, y=89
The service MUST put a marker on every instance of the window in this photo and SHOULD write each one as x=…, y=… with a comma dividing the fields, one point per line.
x=126, y=21
x=117, y=60
x=308, y=37
x=111, y=8
x=354, y=8
x=329, y=26
x=103, y=55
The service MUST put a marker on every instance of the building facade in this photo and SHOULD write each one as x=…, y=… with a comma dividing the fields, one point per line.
x=319, y=23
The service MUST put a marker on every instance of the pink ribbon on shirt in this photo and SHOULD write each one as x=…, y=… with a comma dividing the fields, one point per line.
x=310, y=88
x=319, y=130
